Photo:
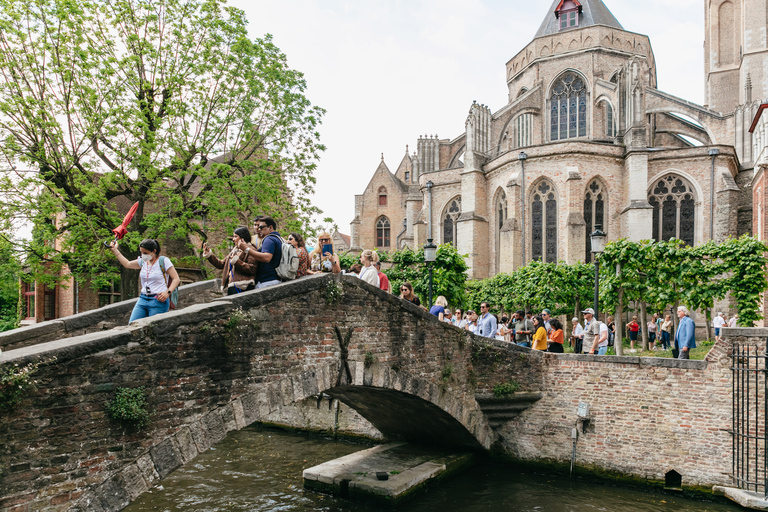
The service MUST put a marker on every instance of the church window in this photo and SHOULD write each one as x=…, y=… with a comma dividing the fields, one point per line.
x=524, y=123
x=522, y=91
x=501, y=216
x=382, y=232
x=568, y=12
x=674, y=209
x=610, y=129
x=451, y=215
x=544, y=223
x=568, y=108
x=594, y=212
x=407, y=175
x=382, y=196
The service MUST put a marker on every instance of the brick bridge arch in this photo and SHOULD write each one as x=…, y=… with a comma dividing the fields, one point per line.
x=216, y=367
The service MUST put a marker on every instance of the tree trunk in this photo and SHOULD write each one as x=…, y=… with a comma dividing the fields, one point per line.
x=618, y=344
x=129, y=278
x=644, y=325
x=709, y=324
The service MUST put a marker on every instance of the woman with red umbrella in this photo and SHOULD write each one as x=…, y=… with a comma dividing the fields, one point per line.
x=154, y=273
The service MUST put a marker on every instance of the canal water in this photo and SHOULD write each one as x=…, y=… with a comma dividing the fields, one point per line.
x=259, y=469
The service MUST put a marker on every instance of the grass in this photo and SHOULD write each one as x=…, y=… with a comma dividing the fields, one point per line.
x=700, y=352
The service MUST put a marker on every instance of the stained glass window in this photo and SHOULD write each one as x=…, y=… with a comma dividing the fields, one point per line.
x=594, y=213
x=452, y=212
x=674, y=209
x=501, y=216
x=544, y=223
x=568, y=109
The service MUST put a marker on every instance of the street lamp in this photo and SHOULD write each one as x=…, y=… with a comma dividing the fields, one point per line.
x=430, y=249
x=522, y=157
x=598, y=246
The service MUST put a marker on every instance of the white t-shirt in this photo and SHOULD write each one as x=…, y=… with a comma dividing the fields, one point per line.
x=718, y=322
x=603, y=329
x=732, y=322
x=152, y=275
x=370, y=275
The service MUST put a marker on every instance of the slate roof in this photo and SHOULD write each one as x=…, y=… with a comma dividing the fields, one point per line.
x=593, y=12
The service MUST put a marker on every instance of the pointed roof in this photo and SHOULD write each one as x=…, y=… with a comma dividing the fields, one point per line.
x=593, y=12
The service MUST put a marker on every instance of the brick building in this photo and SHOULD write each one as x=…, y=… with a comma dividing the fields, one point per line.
x=586, y=139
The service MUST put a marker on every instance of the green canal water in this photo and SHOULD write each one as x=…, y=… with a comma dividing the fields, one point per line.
x=259, y=469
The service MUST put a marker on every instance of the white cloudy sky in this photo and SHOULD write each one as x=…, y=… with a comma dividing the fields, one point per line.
x=387, y=71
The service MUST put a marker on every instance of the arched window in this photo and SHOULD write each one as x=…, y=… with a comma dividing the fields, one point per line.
x=450, y=217
x=382, y=232
x=524, y=125
x=674, y=209
x=594, y=212
x=610, y=129
x=544, y=223
x=501, y=216
x=382, y=196
x=568, y=109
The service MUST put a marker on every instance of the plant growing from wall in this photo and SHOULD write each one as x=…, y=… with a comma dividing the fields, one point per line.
x=506, y=388
x=15, y=382
x=129, y=408
x=333, y=293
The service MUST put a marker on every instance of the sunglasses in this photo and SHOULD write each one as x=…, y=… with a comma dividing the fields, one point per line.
x=324, y=240
x=290, y=238
x=261, y=227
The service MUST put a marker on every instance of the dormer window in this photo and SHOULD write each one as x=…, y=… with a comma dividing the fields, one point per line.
x=568, y=13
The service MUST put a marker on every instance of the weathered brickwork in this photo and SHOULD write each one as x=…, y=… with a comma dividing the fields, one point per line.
x=213, y=368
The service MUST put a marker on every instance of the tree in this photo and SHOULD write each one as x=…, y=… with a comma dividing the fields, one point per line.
x=164, y=102
x=449, y=273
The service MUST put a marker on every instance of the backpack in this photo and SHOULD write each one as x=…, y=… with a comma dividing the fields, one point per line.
x=174, y=298
x=289, y=261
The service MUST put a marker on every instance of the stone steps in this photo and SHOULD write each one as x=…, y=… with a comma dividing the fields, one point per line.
x=500, y=410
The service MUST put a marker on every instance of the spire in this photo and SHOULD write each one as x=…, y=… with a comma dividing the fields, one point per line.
x=592, y=12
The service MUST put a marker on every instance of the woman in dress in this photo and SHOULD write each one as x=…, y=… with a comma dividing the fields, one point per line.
x=406, y=292
x=324, y=262
x=556, y=337
x=368, y=273
x=297, y=241
x=155, y=289
x=238, y=268
x=539, y=334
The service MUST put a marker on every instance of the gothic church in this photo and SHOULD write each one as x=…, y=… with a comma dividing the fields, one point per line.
x=586, y=139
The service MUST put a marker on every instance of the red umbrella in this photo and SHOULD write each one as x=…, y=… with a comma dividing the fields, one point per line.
x=122, y=229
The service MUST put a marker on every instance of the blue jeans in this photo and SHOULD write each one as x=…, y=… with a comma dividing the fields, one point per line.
x=524, y=344
x=267, y=284
x=602, y=350
x=665, y=339
x=148, y=306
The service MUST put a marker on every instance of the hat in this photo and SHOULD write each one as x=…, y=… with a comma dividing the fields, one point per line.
x=589, y=310
x=545, y=310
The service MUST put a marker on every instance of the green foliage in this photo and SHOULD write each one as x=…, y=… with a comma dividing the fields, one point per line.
x=333, y=293
x=665, y=273
x=348, y=259
x=136, y=101
x=536, y=286
x=447, y=372
x=15, y=382
x=448, y=273
x=129, y=408
x=369, y=360
x=506, y=388
x=10, y=271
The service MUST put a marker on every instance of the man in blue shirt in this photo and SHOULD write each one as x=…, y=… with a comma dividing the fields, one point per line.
x=270, y=253
x=486, y=324
x=685, y=337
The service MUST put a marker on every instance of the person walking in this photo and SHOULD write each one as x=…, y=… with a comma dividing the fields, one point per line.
x=633, y=327
x=685, y=337
x=539, y=334
x=652, y=333
x=666, y=332
x=523, y=329
x=577, y=336
x=487, y=322
x=718, y=322
x=591, y=332
x=239, y=267
x=155, y=290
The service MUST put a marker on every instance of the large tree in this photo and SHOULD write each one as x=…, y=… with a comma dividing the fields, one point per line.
x=166, y=102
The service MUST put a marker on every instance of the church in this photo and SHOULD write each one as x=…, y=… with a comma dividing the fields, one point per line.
x=587, y=140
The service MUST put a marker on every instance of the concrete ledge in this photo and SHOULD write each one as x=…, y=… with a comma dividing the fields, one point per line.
x=15, y=336
x=68, y=348
x=749, y=332
x=172, y=320
x=747, y=499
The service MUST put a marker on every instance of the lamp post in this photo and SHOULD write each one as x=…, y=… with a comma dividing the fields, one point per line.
x=430, y=255
x=522, y=157
x=713, y=153
x=598, y=246
x=430, y=249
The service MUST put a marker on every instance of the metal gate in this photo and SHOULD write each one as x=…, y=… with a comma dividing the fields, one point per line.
x=750, y=413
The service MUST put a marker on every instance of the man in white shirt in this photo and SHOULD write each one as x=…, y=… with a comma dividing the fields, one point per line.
x=717, y=323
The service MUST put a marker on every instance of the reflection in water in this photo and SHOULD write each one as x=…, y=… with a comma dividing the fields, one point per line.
x=260, y=469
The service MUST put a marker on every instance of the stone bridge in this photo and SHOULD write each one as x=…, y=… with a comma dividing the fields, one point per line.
x=217, y=366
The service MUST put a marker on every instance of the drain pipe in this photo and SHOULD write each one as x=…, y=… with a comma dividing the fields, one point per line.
x=574, y=436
